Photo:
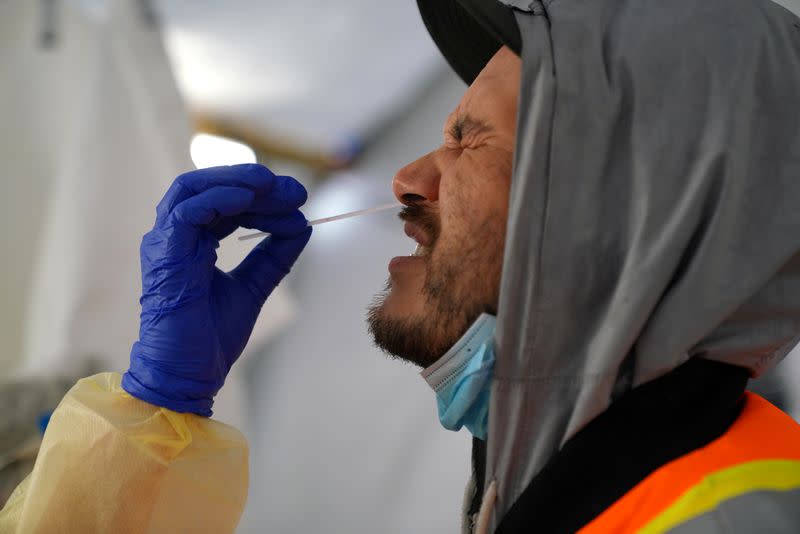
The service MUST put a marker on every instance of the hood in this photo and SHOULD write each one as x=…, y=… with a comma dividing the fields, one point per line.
x=653, y=210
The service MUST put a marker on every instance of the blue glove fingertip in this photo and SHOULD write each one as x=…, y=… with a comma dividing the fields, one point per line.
x=291, y=225
x=290, y=191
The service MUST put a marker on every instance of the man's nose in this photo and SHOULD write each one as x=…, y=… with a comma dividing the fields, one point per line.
x=418, y=181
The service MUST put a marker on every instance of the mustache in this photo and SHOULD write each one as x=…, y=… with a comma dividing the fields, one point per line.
x=423, y=217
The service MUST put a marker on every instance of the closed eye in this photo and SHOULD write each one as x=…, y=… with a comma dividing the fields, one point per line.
x=464, y=127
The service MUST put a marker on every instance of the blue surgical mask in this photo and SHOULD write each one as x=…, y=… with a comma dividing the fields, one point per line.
x=461, y=379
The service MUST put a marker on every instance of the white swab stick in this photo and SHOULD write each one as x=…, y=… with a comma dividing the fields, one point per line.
x=339, y=217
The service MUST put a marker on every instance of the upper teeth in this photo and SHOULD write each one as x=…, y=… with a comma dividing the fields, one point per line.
x=419, y=251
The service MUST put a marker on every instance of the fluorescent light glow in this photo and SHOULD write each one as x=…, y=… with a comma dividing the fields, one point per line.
x=212, y=151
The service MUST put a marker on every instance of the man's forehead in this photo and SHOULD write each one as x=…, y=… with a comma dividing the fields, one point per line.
x=478, y=95
x=490, y=94
x=480, y=102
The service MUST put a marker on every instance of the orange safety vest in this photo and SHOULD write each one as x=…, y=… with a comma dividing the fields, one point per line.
x=760, y=451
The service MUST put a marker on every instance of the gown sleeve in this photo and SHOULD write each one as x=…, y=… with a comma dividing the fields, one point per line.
x=110, y=462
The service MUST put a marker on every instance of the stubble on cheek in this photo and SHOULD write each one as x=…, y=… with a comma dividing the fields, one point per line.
x=463, y=278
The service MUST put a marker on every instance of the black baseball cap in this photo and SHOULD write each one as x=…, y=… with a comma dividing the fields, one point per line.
x=470, y=32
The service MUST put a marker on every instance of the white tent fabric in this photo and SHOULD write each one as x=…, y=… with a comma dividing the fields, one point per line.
x=322, y=75
x=94, y=130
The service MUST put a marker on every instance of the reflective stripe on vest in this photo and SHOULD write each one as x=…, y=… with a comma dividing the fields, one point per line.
x=760, y=451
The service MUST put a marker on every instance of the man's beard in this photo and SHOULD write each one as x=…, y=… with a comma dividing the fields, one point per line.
x=458, y=287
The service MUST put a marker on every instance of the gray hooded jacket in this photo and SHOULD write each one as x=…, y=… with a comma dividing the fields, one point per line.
x=654, y=210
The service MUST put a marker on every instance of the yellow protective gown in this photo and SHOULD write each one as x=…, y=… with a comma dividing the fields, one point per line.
x=110, y=462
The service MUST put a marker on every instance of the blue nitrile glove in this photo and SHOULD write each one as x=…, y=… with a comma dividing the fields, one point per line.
x=196, y=319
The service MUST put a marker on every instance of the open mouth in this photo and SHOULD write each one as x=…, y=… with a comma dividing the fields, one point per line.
x=420, y=251
x=422, y=239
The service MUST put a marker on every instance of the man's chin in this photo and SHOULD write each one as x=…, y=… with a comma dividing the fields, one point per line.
x=420, y=338
x=402, y=335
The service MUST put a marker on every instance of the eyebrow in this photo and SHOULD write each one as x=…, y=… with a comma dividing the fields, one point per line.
x=465, y=125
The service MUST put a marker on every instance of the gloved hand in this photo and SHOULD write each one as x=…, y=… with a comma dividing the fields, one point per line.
x=196, y=319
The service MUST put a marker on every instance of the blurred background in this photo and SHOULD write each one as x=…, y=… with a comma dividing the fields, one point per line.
x=104, y=102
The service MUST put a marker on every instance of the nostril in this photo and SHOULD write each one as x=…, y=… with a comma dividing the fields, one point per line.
x=412, y=198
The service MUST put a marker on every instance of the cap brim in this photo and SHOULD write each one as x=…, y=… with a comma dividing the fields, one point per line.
x=470, y=32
